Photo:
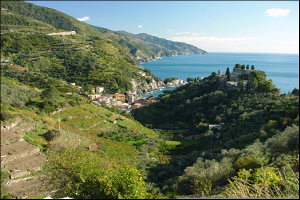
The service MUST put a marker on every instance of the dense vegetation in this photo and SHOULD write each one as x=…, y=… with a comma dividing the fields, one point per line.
x=102, y=152
x=94, y=56
x=254, y=120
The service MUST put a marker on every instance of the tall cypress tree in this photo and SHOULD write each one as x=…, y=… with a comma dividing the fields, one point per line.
x=228, y=74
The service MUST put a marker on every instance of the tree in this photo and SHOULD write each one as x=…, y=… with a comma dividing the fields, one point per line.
x=50, y=94
x=6, y=41
x=88, y=88
x=247, y=67
x=295, y=91
x=252, y=67
x=253, y=83
x=228, y=74
x=241, y=85
x=229, y=77
x=227, y=71
x=190, y=80
x=243, y=67
x=237, y=66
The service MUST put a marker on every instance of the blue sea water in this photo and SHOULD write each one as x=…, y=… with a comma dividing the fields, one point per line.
x=283, y=69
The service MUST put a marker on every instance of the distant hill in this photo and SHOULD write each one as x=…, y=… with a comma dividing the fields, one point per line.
x=162, y=47
x=116, y=55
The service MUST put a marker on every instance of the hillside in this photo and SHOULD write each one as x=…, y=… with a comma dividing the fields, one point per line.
x=110, y=58
x=159, y=47
x=225, y=131
x=224, y=136
x=30, y=135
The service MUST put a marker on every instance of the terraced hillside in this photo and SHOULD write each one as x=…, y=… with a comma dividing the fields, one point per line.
x=97, y=121
x=23, y=161
x=31, y=146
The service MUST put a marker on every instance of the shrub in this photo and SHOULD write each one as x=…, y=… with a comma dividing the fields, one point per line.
x=51, y=135
x=5, y=116
x=216, y=172
x=202, y=187
x=284, y=142
x=262, y=183
x=247, y=162
x=84, y=174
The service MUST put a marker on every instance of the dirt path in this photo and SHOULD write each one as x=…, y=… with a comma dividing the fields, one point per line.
x=21, y=159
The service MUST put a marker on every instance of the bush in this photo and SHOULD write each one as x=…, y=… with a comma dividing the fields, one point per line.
x=262, y=183
x=5, y=116
x=202, y=187
x=51, y=135
x=86, y=174
x=216, y=172
x=284, y=142
x=247, y=162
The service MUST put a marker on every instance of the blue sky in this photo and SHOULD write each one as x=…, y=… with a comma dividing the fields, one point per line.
x=215, y=26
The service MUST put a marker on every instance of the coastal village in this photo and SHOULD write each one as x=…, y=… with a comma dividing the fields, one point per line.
x=128, y=101
x=125, y=102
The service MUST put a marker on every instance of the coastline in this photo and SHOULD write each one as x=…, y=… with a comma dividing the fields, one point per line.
x=283, y=69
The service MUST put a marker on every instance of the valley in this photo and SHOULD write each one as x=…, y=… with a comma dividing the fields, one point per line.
x=74, y=124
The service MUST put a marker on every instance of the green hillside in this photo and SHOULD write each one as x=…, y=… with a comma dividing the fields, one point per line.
x=93, y=56
x=57, y=19
x=93, y=144
x=210, y=138
x=234, y=134
x=159, y=46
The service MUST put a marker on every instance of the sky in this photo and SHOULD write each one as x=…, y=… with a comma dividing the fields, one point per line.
x=214, y=26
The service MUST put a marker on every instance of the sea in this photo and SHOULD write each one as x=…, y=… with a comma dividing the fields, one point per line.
x=283, y=69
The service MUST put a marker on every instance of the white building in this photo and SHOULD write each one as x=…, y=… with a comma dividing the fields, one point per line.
x=99, y=89
x=217, y=126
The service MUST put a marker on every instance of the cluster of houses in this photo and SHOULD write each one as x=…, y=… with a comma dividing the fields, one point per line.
x=126, y=102
x=123, y=102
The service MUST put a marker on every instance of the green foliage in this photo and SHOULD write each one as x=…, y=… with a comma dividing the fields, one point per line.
x=202, y=187
x=15, y=94
x=167, y=80
x=284, y=142
x=262, y=183
x=241, y=85
x=237, y=66
x=5, y=116
x=50, y=135
x=295, y=91
x=216, y=172
x=247, y=162
x=84, y=174
x=4, y=178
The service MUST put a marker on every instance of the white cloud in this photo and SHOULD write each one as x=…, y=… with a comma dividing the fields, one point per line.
x=240, y=44
x=216, y=39
x=140, y=26
x=276, y=12
x=170, y=30
x=182, y=33
x=84, y=18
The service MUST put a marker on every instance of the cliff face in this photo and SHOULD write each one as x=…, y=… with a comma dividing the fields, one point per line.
x=174, y=83
x=140, y=87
